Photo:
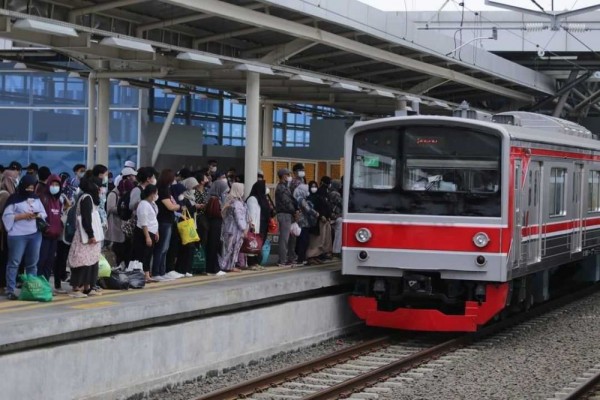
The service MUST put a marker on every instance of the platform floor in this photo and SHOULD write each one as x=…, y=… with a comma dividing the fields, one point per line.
x=26, y=324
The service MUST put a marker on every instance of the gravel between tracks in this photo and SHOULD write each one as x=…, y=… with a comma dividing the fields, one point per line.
x=240, y=373
x=530, y=361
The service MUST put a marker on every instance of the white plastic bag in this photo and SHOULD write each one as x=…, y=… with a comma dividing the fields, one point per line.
x=135, y=265
x=295, y=229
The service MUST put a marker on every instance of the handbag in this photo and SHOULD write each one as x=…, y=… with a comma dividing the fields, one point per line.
x=273, y=226
x=213, y=208
x=252, y=244
x=187, y=229
x=128, y=227
x=42, y=225
x=96, y=224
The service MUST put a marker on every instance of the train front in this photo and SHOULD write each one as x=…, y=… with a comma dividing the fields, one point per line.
x=426, y=230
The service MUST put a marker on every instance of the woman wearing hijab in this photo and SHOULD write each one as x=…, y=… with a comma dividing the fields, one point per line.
x=214, y=206
x=259, y=212
x=308, y=219
x=320, y=243
x=24, y=240
x=84, y=253
x=235, y=228
x=51, y=199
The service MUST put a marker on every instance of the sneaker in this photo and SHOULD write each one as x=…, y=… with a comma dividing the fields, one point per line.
x=12, y=296
x=174, y=275
x=157, y=278
x=166, y=278
x=94, y=292
x=188, y=275
x=221, y=273
x=78, y=295
x=60, y=291
x=285, y=265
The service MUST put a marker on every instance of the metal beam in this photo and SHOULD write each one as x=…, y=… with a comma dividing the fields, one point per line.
x=568, y=86
x=261, y=20
x=165, y=129
x=73, y=14
x=589, y=100
x=426, y=86
x=563, y=98
x=286, y=51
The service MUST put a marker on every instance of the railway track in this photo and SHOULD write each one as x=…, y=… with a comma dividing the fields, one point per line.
x=359, y=367
x=586, y=387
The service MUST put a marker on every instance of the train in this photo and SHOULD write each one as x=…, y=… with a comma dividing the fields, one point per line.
x=450, y=223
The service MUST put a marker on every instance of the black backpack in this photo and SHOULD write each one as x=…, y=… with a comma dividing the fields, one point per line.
x=123, y=209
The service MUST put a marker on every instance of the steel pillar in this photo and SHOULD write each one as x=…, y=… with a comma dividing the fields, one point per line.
x=165, y=128
x=102, y=123
x=252, y=130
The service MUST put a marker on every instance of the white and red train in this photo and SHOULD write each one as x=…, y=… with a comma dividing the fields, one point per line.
x=450, y=221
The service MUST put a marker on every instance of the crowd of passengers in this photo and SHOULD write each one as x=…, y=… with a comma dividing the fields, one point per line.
x=135, y=215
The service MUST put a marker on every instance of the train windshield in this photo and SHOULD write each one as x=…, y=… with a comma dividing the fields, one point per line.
x=432, y=170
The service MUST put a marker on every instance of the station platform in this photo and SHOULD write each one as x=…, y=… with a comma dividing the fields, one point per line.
x=26, y=325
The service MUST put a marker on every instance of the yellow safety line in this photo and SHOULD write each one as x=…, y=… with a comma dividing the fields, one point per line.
x=16, y=306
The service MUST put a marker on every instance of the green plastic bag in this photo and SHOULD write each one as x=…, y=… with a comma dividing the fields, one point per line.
x=35, y=288
x=199, y=262
x=104, y=269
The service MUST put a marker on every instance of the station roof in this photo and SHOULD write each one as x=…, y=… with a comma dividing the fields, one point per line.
x=340, y=53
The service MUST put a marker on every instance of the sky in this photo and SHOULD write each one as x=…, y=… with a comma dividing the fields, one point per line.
x=475, y=5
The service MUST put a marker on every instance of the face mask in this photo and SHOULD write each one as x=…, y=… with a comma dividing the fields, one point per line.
x=80, y=174
x=103, y=191
x=181, y=197
x=313, y=190
x=54, y=189
x=17, y=182
x=105, y=180
x=301, y=174
x=153, y=181
x=174, y=182
x=213, y=169
x=267, y=191
x=288, y=179
x=154, y=198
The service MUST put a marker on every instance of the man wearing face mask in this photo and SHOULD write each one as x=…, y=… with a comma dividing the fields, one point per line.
x=212, y=169
x=286, y=211
x=101, y=172
x=145, y=176
x=299, y=176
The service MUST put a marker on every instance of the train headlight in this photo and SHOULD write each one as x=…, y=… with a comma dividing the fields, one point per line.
x=363, y=235
x=481, y=239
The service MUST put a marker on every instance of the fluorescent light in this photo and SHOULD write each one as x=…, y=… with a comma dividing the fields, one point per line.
x=123, y=83
x=167, y=90
x=306, y=78
x=44, y=27
x=201, y=58
x=59, y=70
x=20, y=65
x=346, y=86
x=559, y=58
x=441, y=104
x=74, y=75
x=254, y=68
x=382, y=93
x=285, y=110
x=127, y=44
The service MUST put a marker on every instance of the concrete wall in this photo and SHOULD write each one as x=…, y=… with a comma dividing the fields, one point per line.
x=122, y=365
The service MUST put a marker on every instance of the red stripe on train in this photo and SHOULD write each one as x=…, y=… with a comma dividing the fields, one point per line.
x=424, y=237
x=558, y=226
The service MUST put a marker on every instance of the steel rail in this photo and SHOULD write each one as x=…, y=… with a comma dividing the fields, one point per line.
x=249, y=387
x=585, y=389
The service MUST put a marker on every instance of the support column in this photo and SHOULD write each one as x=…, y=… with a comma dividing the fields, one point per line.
x=91, y=128
x=401, y=107
x=267, y=131
x=102, y=130
x=252, y=133
x=165, y=128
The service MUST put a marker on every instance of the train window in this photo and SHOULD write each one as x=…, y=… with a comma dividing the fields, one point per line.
x=426, y=170
x=557, y=191
x=594, y=191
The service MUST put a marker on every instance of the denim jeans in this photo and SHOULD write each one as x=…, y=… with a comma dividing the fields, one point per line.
x=159, y=267
x=47, y=258
x=26, y=248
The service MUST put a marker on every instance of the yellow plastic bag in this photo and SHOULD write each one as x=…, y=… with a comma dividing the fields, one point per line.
x=187, y=229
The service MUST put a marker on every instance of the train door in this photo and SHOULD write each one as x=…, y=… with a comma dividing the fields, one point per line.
x=533, y=212
x=518, y=220
x=577, y=234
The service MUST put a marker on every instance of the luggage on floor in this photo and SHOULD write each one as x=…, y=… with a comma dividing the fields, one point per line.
x=199, y=262
x=137, y=279
x=118, y=280
x=35, y=288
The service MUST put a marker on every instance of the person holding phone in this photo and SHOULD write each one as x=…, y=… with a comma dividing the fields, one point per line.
x=24, y=240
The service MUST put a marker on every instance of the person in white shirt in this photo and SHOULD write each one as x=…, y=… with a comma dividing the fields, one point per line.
x=145, y=235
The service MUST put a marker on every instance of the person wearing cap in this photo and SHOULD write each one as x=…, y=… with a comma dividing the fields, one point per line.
x=32, y=169
x=43, y=175
x=114, y=234
x=72, y=185
x=299, y=176
x=285, y=207
x=128, y=164
x=260, y=175
x=212, y=169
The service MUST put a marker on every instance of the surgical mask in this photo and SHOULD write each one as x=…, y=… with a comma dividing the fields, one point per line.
x=155, y=198
x=54, y=189
x=17, y=180
x=288, y=179
x=213, y=169
x=313, y=190
x=181, y=197
x=80, y=174
x=174, y=182
x=267, y=191
x=103, y=191
x=105, y=180
x=301, y=174
x=153, y=181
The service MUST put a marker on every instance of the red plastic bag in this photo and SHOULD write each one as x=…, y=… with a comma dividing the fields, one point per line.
x=273, y=226
x=252, y=244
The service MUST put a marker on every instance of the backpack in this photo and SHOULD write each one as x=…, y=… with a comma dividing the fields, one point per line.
x=70, y=224
x=123, y=210
x=4, y=195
